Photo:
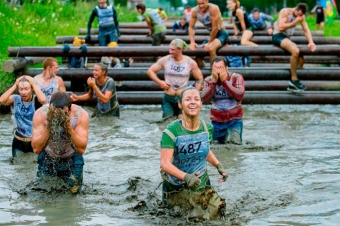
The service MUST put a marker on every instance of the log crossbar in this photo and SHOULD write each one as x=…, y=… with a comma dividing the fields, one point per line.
x=145, y=31
x=142, y=39
x=134, y=74
x=164, y=50
x=250, y=97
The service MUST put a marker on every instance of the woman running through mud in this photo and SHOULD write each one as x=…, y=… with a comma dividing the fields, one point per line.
x=23, y=108
x=185, y=150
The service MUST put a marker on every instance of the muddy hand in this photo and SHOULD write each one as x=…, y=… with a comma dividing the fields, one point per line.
x=221, y=170
x=192, y=180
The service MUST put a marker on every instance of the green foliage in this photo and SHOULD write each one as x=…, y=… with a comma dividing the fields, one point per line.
x=37, y=24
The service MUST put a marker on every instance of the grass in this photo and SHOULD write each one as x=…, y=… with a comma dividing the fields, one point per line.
x=39, y=24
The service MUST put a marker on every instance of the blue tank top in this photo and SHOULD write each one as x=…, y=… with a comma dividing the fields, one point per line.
x=48, y=89
x=222, y=100
x=23, y=114
x=190, y=153
x=105, y=16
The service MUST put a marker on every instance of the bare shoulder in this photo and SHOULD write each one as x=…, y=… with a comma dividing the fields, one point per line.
x=162, y=61
x=39, y=114
x=213, y=8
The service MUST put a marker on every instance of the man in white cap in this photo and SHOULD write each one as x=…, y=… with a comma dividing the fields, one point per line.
x=177, y=68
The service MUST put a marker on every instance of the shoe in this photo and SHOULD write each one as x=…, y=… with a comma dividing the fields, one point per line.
x=297, y=85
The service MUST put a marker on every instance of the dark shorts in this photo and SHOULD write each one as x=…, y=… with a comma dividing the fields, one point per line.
x=277, y=39
x=319, y=20
x=170, y=106
x=107, y=35
x=224, y=129
x=18, y=145
x=69, y=169
x=158, y=38
x=223, y=36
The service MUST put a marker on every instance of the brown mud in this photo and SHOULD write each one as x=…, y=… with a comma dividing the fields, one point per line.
x=287, y=172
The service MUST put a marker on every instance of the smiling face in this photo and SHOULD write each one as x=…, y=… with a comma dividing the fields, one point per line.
x=25, y=90
x=98, y=72
x=174, y=51
x=231, y=5
x=191, y=103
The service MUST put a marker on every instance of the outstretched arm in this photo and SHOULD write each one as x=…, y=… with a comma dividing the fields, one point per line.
x=240, y=16
x=191, y=29
x=89, y=23
x=215, y=22
x=196, y=72
x=308, y=35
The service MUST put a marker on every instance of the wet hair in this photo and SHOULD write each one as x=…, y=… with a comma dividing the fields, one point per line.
x=103, y=67
x=48, y=62
x=140, y=6
x=61, y=100
x=302, y=7
x=255, y=10
x=218, y=59
x=184, y=90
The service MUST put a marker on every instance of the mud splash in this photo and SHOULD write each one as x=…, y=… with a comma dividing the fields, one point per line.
x=286, y=172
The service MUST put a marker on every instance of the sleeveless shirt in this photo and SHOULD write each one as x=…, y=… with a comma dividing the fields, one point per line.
x=66, y=146
x=237, y=21
x=48, y=89
x=177, y=74
x=23, y=114
x=205, y=20
x=290, y=31
x=105, y=16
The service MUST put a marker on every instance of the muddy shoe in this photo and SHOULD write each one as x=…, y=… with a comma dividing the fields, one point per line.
x=74, y=190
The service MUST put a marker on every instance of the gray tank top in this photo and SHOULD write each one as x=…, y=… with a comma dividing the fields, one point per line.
x=48, y=89
x=65, y=146
x=177, y=75
x=205, y=19
x=290, y=31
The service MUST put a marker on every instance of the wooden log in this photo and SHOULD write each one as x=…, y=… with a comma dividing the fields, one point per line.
x=198, y=32
x=132, y=74
x=142, y=39
x=18, y=64
x=254, y=59
x=251, y=85
x=250, y=97
x=164, y=50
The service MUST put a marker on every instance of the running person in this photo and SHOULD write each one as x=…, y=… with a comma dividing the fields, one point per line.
x=283, y=29
x=320, y=16
x=176, y=76
x=154, y=22
x=23, y=108
x=210, y=16
x=241, y=23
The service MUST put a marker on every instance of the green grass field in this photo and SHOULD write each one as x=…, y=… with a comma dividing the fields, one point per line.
x=39, y=24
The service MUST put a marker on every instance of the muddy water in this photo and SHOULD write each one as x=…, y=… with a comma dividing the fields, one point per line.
x=286, y=173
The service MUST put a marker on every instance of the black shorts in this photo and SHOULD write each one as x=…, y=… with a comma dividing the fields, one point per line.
x=277, y=39
x=319, y=20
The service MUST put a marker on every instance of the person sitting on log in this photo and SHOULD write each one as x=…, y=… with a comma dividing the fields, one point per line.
x=59, y=137
x=210, y=16
x=108, y=23
x=177, y=68
x=154, y=22
x=241, y=23
x=48, y=81
x=225, y=91
x=103, y=88
x=185, y=151
x=114, y=62
x=283, y=29
x=181, y=25
x=23, y=108
x=75, y=61
x=258, y=20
